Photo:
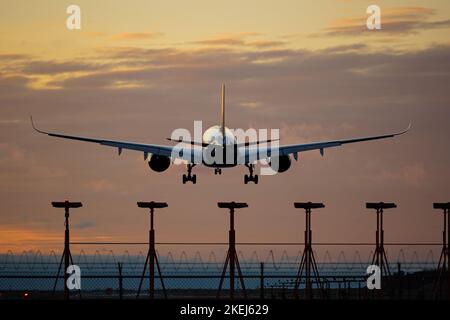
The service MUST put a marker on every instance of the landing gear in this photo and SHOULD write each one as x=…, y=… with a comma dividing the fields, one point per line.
x=217, y=171
x=250, y=177
x=189, y=176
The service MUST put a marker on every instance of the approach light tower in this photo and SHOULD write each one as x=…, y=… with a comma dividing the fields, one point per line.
x=308, y=263
x=379, y=256
x=152, y=257
x=443, y=270
x=66, y=255
x=232, y=257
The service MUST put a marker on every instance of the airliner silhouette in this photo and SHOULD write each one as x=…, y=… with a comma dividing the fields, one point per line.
x=221, y=140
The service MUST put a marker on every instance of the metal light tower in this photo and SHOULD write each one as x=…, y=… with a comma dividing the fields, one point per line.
x=308, y=262
x=232, y=257
x=443, y=270
x=152, y=257
x=379, y=256
x=66, y=255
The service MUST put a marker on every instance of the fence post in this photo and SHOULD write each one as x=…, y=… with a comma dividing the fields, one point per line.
x=262, y=280
x=339, y=291
x=119, y=265
x=359, y=290
x=399, y=279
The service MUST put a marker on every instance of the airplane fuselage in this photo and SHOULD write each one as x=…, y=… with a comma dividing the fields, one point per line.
x=213, y=136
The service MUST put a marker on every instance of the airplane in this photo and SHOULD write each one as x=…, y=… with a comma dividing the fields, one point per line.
x=220, y=138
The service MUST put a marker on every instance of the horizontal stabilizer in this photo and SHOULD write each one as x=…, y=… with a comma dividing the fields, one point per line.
x=194, y=143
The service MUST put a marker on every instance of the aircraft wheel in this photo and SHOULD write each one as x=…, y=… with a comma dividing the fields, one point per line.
x=194, y=179
x=255, y=180
x=246, y=179
x=184, y=179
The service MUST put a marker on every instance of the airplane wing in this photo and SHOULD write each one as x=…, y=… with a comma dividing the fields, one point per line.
x=167, y=151
x=266, y=152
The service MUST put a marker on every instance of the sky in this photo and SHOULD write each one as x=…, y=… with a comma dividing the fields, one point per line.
x=137, y=70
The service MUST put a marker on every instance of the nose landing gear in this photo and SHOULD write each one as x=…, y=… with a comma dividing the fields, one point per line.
x=250, y=177
x=190, y=177
x=217, y=170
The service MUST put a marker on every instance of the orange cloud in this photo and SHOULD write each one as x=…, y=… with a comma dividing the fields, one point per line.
x=12, y=238
x=95, y=34
x=222, y=42
x=266, y=43
x=398, y=20
x=15, y=235
x=387, y=15
x=135, y=36
x=236, y=39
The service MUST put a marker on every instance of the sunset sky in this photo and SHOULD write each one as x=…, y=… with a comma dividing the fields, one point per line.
x=139, y=69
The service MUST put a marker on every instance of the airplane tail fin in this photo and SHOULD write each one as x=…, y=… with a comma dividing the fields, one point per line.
x=222, y=114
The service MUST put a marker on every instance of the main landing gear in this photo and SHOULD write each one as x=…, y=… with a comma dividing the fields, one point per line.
x=217, y=170
x=250, y=177
x=189, y=176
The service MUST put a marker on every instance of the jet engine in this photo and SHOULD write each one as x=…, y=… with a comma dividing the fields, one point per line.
x=159, y=163
x=284, y=163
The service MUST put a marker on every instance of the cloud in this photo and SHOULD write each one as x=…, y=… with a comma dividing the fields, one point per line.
x=14, y=235
x=412, y=175
x=85, y=225
x=94, y=34
x=358, y=47
x=314, y=76
x=395, y=21
x=239, y=40
x=17, y=166
x=310, y=94
x=55, y=67
x=14, y=56
x=222, y=42
x=169, y=67
x=10, y=122
x=250, y=104
x=22, y=238
x=11, y=84
x=130, y=36
x=301, y=132
x=266, y=43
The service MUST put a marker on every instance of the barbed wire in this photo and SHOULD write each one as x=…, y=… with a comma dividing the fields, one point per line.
x=409, y=258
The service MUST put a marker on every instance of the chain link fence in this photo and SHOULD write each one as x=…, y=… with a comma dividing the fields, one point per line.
x=269, y=270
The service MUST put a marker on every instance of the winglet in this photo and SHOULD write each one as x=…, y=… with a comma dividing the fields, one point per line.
x=406, y=130
x=409, y=126
x=34, y=127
